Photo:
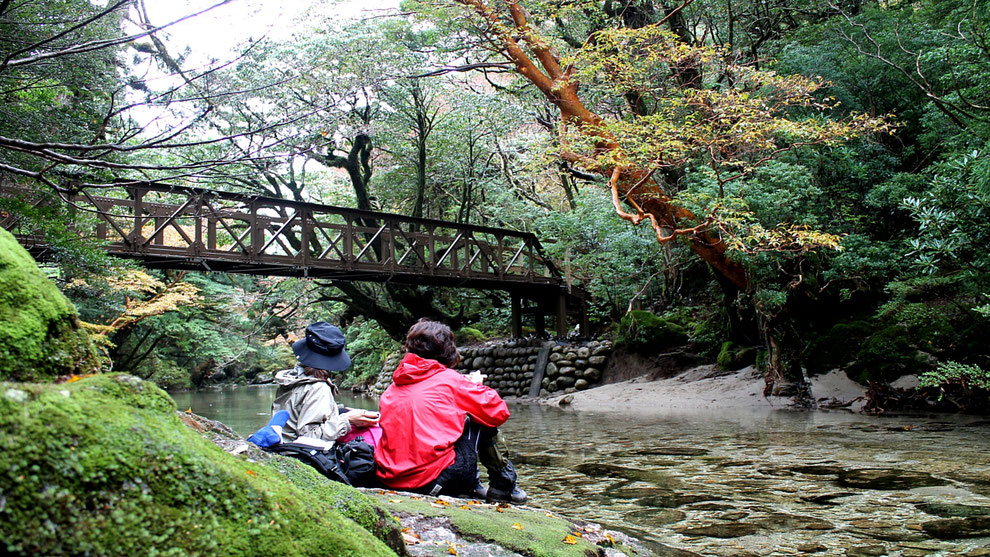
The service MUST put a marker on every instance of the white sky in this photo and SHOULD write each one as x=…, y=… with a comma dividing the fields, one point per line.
x=217, y=33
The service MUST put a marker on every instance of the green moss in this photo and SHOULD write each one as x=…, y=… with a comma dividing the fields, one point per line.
x=886, y=355
x=40, y=333
x=733, y=357
x=467, y=335
x=644, y=331
x=104, y=466
x=541, y=534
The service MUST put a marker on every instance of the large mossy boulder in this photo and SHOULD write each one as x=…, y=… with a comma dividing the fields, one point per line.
x=40, y=333
x=645, y=332
x=104, y=466
x=888, y=354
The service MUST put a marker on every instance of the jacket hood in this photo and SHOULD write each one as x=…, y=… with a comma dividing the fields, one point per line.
x=412, y=368
x=293, y=377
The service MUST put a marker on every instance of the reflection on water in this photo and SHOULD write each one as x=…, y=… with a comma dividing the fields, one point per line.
x=247, y=408
x=767, y=483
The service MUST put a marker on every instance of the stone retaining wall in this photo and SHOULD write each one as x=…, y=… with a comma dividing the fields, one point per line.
x=511, y=366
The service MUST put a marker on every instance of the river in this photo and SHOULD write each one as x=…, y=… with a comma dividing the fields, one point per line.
x=749, y=483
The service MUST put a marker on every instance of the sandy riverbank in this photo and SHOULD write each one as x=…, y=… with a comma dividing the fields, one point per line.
x=702, y=389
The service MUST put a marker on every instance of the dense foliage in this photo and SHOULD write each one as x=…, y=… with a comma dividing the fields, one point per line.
x=816, y=174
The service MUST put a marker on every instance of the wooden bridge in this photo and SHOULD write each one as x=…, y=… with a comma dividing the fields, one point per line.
x=173, y=227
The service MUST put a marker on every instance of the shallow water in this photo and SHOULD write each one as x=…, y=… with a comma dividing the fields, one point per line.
x=762, y=483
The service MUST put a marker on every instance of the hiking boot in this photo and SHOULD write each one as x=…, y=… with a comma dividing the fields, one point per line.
x=502, y=486
x=479, y=491
x=516, y=496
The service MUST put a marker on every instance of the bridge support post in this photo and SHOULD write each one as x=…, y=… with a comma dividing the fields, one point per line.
x=562, y=315
x=539, y=319
x=516, y=315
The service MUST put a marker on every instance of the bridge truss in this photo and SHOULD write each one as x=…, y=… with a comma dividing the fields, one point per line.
x=196, y=229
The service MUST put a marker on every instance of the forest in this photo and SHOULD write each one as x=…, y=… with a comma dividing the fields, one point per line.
x=803, y=183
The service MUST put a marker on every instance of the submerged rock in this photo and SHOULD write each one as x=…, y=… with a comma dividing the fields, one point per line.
x=104, y=466
x=951, y=510
x=887, y=480
x=600, y=469
x=955, y=528
x=722, y=530
x=655, y=518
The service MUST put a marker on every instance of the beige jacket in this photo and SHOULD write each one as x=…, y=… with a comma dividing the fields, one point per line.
x=312, y=409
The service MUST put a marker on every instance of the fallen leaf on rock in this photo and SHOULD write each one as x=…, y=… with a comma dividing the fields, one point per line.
x=250, y=472
x=465, y=507
x=395, y=500
x=517, y=526
x=410, y=539
x=570, y=540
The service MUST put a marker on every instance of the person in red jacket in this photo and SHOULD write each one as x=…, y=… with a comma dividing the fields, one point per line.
x=435, y=422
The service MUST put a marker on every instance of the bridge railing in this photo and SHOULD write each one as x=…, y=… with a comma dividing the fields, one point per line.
x=195, y=228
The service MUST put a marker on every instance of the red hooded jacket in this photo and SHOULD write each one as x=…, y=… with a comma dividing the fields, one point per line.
x=422, y=415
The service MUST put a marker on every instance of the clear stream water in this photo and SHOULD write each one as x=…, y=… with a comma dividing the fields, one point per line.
x=774, y=482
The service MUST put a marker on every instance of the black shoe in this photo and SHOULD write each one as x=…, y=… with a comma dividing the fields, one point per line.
x=516, y=496
x=479, y=491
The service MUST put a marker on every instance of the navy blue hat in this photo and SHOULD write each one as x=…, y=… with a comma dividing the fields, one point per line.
x=323, y=348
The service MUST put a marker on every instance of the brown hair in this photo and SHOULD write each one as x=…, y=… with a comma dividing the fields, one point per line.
x=432, y=340
x=321, y=374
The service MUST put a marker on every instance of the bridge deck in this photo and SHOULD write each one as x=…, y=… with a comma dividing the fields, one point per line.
x=189, y=228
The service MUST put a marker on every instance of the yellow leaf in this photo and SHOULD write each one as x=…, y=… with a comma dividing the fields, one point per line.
x=570, y=540
x=464, y=507
x=517, y=526
x=411, y=539
x=443, y=503
x=250, y=472
x=395, y=500
x=452, y=550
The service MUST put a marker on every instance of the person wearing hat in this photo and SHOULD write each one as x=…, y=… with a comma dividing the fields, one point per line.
x=306, y=390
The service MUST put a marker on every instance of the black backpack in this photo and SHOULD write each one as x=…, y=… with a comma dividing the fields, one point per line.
x=352, y=463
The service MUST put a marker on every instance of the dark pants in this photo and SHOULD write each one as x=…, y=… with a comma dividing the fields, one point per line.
x=477, y=444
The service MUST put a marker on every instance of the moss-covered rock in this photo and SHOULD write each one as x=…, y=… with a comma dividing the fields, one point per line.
x=644, y=332
x=888, y=354
x=40, y=333
x=468, y=335
x=104, y=466
x=732, y=356
x=523, y=530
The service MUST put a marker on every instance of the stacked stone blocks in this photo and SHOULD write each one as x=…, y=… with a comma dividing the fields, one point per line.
x=511, y=365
